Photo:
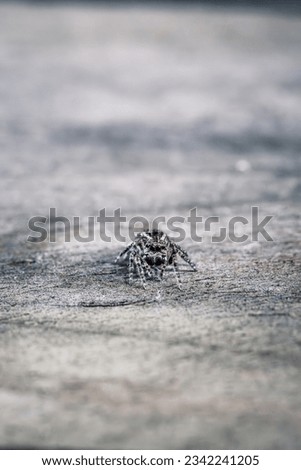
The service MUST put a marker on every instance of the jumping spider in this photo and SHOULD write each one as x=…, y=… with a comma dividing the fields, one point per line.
x=150, y=253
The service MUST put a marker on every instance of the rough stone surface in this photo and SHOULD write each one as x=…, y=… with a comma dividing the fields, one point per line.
x=156, y=111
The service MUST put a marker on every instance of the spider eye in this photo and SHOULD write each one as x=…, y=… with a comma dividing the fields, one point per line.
x=158, y=260
x=155, y=249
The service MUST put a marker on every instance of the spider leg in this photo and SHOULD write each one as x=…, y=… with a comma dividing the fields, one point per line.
x=137, y=261
x=175, y=268
x=123, y=252
x=131, y=266
x=146, y=266
x=163, y=267
x=185, y=257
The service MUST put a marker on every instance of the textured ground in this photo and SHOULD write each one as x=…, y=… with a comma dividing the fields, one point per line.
x=156, y=111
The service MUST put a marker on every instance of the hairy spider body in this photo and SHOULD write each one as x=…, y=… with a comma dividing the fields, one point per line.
x=150, y=254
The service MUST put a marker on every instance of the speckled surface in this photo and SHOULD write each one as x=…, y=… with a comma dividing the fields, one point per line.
x=156, y=111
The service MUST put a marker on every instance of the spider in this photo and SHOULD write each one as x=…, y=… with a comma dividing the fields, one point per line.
x=150, y=253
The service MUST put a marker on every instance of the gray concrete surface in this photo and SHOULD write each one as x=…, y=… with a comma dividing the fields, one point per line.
x=156, y=111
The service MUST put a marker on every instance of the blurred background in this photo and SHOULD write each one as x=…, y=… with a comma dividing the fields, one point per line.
x=155, y=108
x=103, y=101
